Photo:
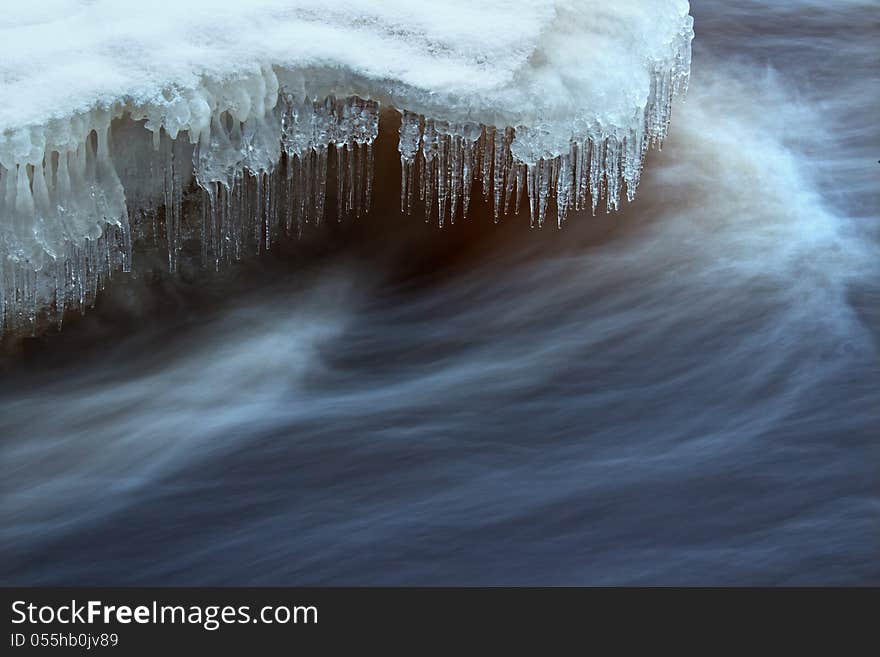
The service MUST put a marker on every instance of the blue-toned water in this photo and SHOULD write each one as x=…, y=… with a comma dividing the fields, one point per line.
x=687, y=392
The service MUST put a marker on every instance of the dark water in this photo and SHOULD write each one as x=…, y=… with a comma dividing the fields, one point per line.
x=684, y=393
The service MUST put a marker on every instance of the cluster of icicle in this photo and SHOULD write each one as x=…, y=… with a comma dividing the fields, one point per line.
x=440, y=160
x=257, y=178
x=64, y=228
x=68, y=217
x=247, y=201
x=67, y=223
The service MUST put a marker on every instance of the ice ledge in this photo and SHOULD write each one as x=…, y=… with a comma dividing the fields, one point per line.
x=257, y=145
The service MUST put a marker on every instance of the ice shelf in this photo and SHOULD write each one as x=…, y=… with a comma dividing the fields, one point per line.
x=224, y=121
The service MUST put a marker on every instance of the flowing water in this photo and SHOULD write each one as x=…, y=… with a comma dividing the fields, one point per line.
x=687, y=392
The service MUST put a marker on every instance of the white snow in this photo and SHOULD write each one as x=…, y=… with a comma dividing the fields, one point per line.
x=502, y=58
x=540, y=98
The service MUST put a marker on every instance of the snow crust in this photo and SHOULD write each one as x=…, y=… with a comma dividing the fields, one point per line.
x=498, y=63
x=548, y=100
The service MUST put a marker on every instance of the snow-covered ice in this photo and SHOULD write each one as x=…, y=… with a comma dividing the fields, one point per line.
x=111, y=109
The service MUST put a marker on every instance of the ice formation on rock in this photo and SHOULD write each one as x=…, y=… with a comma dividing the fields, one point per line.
x=222, y=121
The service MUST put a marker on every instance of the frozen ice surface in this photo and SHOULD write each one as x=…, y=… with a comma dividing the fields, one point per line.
x=112, y=109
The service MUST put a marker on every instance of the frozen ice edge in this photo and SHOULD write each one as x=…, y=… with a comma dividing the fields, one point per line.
x=74, y=190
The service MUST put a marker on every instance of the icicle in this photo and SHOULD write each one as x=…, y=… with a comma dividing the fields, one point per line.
x=520, y=184
x=354, y=180
x=597, y=172
x=510, y=177
x=612, y=174
x=322, y=183
x=206, y=230
x=564, y=187
x=171, y=205
x=456, y=153
x=340, y=180
x=267, y=209
x=368, y=185
x=302, y=200
x=442, y=172
x=257, y=211
x=487, y=157
x=430, y=150
x=500, y=147
x=470, y=135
